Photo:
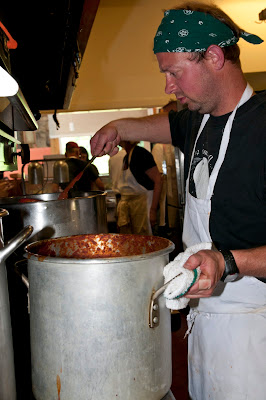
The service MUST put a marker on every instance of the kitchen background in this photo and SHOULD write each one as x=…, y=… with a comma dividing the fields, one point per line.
x=116, y=73
x=101, y=68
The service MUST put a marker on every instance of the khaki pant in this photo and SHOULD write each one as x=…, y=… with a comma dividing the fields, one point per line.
x=133, y=215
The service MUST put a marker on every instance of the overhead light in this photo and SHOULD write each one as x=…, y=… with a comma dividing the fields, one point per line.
x=8, y=85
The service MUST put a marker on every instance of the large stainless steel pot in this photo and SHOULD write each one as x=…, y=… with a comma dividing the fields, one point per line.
x=51, y=217
x=7, y=370
x=89, y=318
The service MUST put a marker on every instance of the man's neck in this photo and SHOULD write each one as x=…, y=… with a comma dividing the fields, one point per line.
x=231, y=91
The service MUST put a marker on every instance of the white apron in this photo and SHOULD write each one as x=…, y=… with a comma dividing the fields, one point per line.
x=141, y=198
x=227, y=344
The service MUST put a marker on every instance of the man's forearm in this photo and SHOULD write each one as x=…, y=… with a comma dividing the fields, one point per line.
x=154, y=128
x=99, y=184
x=251, y=262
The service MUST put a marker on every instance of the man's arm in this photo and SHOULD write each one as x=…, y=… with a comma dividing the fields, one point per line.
x=250, y=262
x=154, y=128
x=99, y=183
x=154, y=174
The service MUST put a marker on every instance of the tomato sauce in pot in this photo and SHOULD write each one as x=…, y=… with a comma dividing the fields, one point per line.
x=98, y=246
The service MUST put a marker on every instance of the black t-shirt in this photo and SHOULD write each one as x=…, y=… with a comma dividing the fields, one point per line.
x=207, y=146
x=141, y=161
x=75, y=166
x=238, y=215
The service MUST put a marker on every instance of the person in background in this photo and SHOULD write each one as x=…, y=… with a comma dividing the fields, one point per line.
x=139, y=184
x=75, y=166
x=160, y=154
x=115, y=164
x=222, y=133
x=84, y=156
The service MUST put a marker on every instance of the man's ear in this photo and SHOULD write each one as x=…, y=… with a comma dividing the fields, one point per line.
x=215, y=55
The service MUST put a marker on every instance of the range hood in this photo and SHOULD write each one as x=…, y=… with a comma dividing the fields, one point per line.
x=15, y=114
x=51, y=37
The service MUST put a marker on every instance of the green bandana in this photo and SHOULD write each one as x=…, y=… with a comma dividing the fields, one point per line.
x=193, y=31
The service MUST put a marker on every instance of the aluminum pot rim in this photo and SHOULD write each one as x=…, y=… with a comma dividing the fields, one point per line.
x=9, y=203
x=101, y=260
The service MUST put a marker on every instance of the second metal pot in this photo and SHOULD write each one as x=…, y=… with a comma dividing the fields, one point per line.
x=51, y=217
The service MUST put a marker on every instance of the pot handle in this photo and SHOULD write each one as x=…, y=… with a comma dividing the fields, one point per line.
x=154, y=311
x=22, y=276
x=14, y=243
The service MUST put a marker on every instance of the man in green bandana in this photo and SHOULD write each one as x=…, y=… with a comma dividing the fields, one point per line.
x=222, y=133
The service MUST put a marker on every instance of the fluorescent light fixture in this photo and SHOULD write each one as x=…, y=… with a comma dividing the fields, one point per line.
x=103, y=111
x=8, y=85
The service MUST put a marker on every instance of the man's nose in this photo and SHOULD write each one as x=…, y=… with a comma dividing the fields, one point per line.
x=170, y=86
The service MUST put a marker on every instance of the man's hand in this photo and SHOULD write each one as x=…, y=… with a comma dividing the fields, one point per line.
x=105, y=141
x=211, y=264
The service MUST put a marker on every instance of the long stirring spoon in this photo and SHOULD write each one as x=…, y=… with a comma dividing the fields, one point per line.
x=64, y=194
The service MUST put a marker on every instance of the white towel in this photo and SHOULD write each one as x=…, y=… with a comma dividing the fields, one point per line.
x=181, y=284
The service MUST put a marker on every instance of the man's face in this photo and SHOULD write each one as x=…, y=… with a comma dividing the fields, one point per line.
x=191, y=82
